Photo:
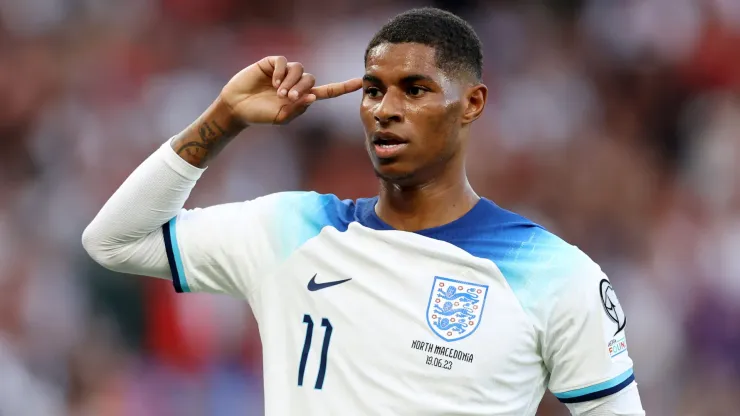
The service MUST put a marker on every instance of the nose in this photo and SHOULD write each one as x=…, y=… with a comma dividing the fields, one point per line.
x=388, y=109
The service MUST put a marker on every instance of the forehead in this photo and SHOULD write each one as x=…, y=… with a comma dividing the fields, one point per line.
x=389, y=60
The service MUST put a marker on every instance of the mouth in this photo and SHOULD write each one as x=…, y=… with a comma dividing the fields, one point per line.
x=388, y=144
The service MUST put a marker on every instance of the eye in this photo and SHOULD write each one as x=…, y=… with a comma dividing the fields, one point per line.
x=372, y=92
x=415, y=91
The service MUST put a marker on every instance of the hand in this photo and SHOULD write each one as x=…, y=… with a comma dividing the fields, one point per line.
x=275, y=91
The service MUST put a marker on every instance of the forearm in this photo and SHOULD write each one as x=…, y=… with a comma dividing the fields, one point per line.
x=208, y=135
x=126, y=234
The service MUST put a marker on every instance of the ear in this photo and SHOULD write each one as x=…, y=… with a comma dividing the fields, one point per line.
x=475, y=98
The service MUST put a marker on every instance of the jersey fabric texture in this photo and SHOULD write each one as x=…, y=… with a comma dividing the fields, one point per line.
x=476, y=317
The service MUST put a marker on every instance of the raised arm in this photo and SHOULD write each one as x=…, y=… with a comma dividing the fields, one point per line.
x=134, y=231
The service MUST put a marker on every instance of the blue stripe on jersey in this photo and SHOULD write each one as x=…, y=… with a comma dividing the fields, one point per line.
x=523, y=251
x=536, y=264
x=302, y=216
x=533, y=261
x=169, y=230
x=597, y=391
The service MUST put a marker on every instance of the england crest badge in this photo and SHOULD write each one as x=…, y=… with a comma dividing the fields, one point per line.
x=455, y=308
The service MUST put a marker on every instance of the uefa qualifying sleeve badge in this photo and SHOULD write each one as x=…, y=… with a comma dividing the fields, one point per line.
x=611, y=305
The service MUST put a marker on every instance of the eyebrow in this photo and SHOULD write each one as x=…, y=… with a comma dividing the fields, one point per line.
x=405, y=80
x=415, y=78
x=371, y=78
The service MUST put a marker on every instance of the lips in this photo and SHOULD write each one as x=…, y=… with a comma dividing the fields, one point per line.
x=388, y=145
x=387, y=138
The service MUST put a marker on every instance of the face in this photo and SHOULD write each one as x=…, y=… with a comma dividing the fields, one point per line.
x=415, y=116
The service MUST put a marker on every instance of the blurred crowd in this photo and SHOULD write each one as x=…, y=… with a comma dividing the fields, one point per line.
x=616, y=124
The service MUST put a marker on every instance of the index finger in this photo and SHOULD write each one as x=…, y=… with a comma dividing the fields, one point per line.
x=336, y=89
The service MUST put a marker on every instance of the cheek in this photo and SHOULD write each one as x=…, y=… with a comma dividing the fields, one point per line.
x=366, y=114
x=437, y=125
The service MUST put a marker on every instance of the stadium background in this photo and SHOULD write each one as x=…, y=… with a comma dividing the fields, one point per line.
x=614, y=123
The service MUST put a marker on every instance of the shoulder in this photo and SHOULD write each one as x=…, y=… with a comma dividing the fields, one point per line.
x=308, y=209
x=507, y=238
x=290, y=219
x=535, y=262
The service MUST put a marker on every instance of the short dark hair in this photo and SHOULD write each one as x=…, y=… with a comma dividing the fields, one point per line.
x=457, y=46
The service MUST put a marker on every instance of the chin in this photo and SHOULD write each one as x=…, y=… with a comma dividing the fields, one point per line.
x=395, y=174
x=396, y=170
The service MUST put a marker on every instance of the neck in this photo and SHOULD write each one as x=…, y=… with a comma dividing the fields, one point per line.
x=432, y=204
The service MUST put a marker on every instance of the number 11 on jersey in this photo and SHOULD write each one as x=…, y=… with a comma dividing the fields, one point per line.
x=307, y=347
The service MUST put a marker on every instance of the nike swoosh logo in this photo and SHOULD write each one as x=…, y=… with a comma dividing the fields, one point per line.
x=313, y=286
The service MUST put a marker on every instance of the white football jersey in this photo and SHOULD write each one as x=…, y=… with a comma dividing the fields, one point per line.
x=476, y=317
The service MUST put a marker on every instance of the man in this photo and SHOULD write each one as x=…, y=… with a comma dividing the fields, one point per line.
x=425, y=300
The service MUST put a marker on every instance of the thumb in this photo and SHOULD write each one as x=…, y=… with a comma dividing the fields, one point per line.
x=308, y=99
x=304, y=103
x=293, y=110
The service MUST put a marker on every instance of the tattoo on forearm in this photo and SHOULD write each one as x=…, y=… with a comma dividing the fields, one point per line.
x=205, y=131
x=204, y=139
